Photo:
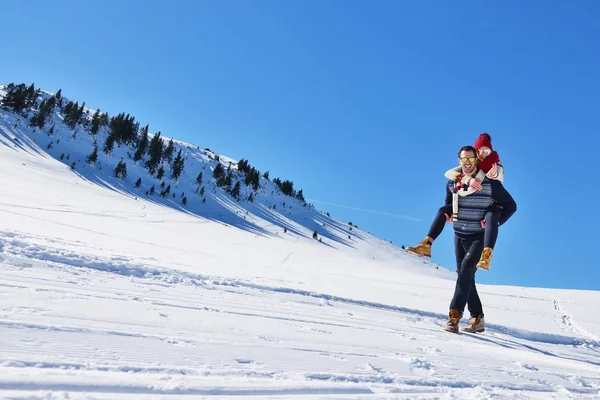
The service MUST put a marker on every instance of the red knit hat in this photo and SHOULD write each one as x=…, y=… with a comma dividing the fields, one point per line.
x=483, y=140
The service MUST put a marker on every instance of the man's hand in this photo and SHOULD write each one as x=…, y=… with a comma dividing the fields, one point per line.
x=483, y=223
x=475, y=184
x=493, y=172
x=448, y=219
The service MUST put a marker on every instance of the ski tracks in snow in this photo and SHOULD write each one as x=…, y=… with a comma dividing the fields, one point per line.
x=183, y=334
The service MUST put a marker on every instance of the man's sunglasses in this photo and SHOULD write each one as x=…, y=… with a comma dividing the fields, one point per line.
x=464, y=159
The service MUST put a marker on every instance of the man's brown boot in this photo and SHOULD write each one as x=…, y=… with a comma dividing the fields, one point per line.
x=454, y=317
x=422, y=249
x=476, y=324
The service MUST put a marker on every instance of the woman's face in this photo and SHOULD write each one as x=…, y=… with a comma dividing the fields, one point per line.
x=483, y=152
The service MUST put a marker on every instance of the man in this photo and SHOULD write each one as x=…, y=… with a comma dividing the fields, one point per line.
x=469, y=236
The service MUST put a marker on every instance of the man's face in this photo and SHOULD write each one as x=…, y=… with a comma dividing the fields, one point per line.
x=467, y=161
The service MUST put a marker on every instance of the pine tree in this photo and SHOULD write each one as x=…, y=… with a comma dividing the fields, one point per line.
x=201, y=193
x=44, y=112
x=184, y=201
x=109, y=144
x=155, y=150
x=300, y=196
x=31, y=95
x=168, y=154
x=80, y=117
x=199, y=179
x=59, y=98
x=251, y=198
x=243, y=166
x=160, y=173
x=138, y=183
x=235, y=192
x=266, y=175
x=287, y=188
x=254, y=178
x=142, y=145
x=152, y=190
x=19, y=98
x=104, y=119
x=93, y=157
x=228, y=181
x=121, y=170
x=96, y=122
x=219, y=174
x=166, y=191
x=67, y=110
x=252, y=175
x=73, y=114
x=177, y=167
x=124, y=129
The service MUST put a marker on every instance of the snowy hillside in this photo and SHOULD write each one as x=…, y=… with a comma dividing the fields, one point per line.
x=260, y=210
x=109, y=293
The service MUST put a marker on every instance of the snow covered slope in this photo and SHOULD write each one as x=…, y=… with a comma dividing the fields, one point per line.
x=268, y=212
x=106, y=293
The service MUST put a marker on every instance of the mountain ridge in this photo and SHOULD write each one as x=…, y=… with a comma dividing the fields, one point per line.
x=266, y=210
x=80, y=143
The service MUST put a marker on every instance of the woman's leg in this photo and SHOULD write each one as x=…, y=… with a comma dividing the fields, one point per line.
x=490, y=236
x=492, y=216
x=437, y=226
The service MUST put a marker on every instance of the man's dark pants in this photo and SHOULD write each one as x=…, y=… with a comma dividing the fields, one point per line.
x=468, y=250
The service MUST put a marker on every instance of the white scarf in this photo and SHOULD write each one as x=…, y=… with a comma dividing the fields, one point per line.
x=464, y=182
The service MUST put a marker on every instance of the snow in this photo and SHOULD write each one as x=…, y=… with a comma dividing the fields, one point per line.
x=106, y=293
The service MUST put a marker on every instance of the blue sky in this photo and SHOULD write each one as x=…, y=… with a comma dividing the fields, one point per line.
x=362, y=104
